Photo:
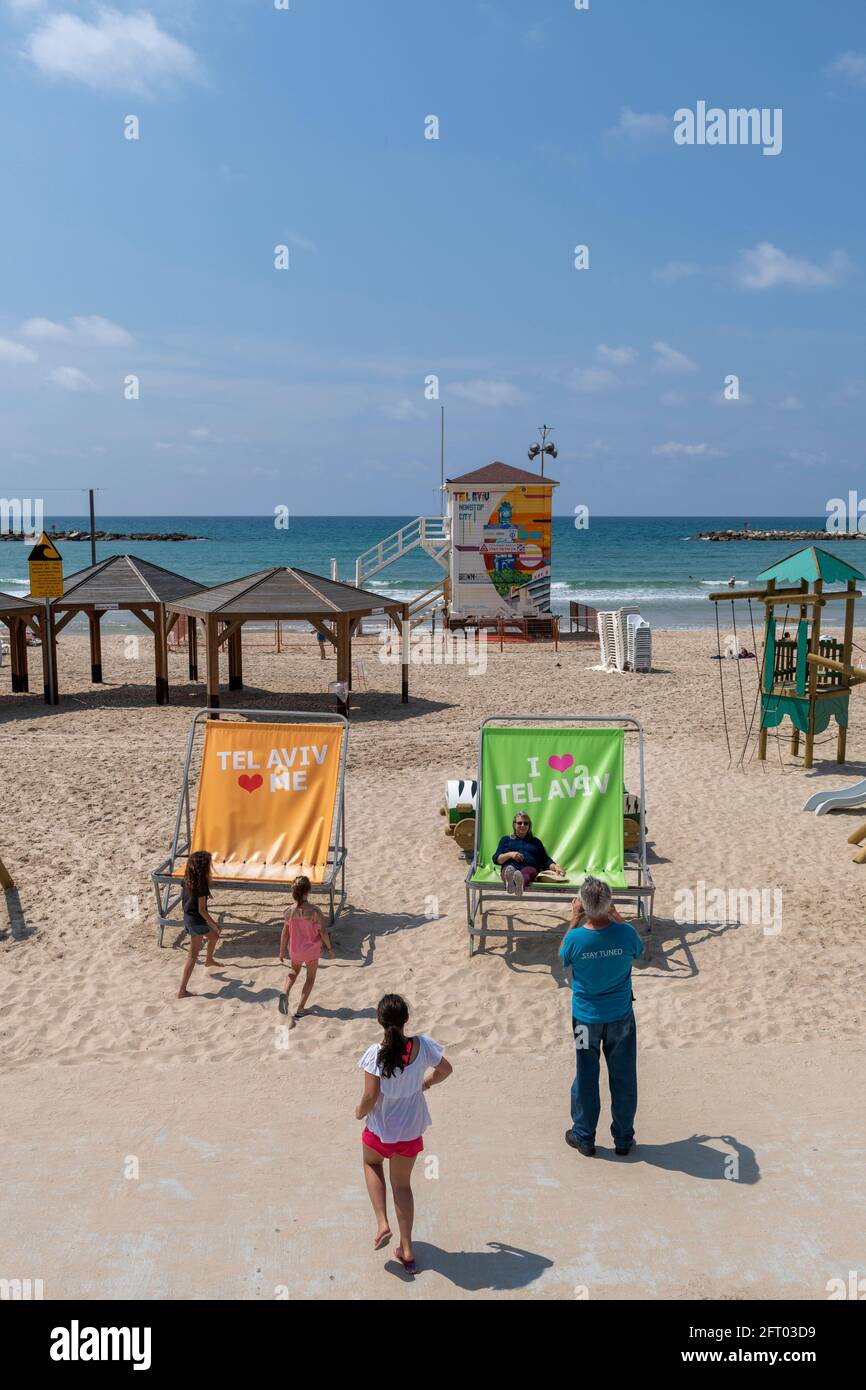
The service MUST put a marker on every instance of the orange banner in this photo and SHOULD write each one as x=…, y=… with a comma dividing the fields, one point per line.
x=267, y=798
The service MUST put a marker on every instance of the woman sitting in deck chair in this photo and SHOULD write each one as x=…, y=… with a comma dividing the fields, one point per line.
x=522, y=857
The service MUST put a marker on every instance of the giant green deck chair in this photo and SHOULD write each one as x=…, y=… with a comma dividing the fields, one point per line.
x=567, y=773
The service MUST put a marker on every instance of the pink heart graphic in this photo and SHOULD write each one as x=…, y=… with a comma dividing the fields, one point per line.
x=561, y=764
x=250, y=784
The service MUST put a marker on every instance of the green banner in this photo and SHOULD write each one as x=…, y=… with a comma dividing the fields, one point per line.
x=570, y=783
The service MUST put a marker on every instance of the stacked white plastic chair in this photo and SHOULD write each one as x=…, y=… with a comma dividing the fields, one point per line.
x=622, y=617
x=607, y=627
x=640, y=650
x=625, y=639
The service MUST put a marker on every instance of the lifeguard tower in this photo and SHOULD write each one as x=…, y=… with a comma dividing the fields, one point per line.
x=805, y=676
x=493, y=545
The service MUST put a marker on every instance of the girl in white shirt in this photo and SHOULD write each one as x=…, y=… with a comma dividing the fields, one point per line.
x=397, y=1072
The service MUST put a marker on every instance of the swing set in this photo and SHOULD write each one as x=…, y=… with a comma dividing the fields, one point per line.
x=803, y=675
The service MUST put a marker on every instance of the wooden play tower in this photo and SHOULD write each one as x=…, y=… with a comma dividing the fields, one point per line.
x=805, y=677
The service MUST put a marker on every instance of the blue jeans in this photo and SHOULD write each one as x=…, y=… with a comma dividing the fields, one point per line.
x=618, y=1041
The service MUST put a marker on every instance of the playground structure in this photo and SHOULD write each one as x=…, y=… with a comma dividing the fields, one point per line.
x=270, y=804
x=806, y=677
x=587, y=821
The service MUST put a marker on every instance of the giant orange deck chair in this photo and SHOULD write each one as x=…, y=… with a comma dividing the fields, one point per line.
x=269, y=805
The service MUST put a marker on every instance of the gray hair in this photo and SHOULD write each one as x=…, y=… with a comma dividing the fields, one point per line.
x=596, y=897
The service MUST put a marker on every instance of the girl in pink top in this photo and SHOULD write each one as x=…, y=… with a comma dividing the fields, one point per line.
x=303, y=933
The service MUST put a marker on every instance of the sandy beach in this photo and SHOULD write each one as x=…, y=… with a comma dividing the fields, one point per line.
x=751, y=1040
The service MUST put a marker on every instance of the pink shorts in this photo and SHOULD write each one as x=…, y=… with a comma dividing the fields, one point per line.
x=406, y=1148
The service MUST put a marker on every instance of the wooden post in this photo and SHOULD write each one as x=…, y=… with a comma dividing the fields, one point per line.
x=5, y=877
x=814, y=640
x=847, y=653
x=14, y=653
x=766, y=688
x=213, y=661
x=160, y=653
x=344, y=659
x=93, y=619
x=192, y=645
x=404, y=654
x=49, y=655
x=236, y=669
x=23, y=657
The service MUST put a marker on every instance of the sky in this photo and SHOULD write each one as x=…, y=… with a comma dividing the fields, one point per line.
x=420, y=265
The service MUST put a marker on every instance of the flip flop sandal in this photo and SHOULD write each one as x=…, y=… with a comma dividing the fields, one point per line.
x=283, y=1003
x=409, y=1265
x=381, y=1241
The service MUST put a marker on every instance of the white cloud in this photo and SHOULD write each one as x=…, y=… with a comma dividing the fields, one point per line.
x=676, y=270
x=673, y=398
x=672, y=448
x=765, y=267
x=202, y=435
x=44, y=329
x=168, y=446
x=588, y=381
x=301, y=242
x=16, y=352
x=637, y=125
x=851, y=67
x=114, y=52
x=615, y=357
x=95, y=329
x=71, y=379
x=791, y=403
x=809, y=458
x=404, y=410
x=486, y=392
x=91, y=328
x=668, y=359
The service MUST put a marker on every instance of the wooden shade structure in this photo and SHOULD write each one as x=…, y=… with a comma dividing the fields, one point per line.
x=18, y=614
x=286, y=594
x=131, y=585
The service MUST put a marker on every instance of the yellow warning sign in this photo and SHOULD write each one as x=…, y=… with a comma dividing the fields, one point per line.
x=46, y=569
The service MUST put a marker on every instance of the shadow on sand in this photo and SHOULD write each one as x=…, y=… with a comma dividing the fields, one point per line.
x=697, y=1158
x=498, y=1267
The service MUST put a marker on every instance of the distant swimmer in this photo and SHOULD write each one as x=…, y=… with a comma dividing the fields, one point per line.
x=731, y=582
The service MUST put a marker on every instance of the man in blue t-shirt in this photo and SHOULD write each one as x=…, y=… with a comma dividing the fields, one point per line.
x=521, y=857
x=599, y=947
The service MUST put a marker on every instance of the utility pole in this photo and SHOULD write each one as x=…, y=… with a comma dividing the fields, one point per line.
x=92, y=529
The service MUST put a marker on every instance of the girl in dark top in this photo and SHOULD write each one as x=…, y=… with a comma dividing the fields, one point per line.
x=197, y=921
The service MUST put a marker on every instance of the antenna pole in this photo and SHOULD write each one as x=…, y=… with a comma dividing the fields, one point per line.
x=442, y=461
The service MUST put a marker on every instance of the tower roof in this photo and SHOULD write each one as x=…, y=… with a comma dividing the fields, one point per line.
x=500, y=473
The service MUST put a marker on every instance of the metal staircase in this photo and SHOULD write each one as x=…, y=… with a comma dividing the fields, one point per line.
x=431, y=533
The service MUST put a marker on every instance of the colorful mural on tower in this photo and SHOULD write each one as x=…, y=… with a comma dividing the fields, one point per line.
x=500, y=553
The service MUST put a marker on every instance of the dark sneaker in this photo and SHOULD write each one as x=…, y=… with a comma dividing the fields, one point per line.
x=583, y=1146
x=624, y=1149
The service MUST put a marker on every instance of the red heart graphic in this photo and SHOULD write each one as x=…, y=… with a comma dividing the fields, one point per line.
x=561, y=764
x=250, y=784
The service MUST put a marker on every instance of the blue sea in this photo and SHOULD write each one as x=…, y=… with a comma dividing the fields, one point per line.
x=647, y=561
